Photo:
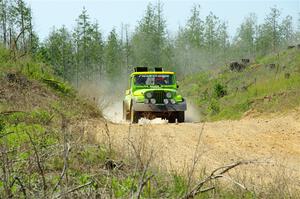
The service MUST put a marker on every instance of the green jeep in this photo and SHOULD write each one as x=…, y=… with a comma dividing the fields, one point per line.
x=153, y=94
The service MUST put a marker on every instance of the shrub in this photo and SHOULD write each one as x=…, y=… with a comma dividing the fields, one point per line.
x=214, y=107
x=219, y=90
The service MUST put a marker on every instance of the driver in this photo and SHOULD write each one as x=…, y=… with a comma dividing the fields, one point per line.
x=141, y=80
x=160, y=80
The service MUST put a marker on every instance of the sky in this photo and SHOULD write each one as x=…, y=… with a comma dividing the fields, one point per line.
x=113, y=13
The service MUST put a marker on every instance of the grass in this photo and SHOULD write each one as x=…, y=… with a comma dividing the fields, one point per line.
x=257, y=88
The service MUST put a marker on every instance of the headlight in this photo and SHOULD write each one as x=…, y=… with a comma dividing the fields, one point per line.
x=153, y=101
x=146, y=101
x=166, y=101
x=173, y=101
x=168, y=94
x=149, y=95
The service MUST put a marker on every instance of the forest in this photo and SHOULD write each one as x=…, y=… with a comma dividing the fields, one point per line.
x=202, y=43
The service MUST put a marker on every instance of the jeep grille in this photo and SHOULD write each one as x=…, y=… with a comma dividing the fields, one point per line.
x=159, y=96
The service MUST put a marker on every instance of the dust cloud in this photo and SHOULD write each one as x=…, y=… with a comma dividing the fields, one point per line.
x=114, y=112
x=192, y=113
x=107, y=94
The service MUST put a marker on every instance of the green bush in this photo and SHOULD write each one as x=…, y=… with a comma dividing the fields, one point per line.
x=214, y=106
x=59, y=86
x=219, y=90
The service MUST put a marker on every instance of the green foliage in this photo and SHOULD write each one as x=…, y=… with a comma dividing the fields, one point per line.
x=219, y=90
x=34, y=117
x=59, y=52
x=214, y=107
x=93, y=155
x=59, y=86
x=113, y=55
x=258, y=87
x=4, y=55
x=123, y=187
x=179, y=186
x=150, y=46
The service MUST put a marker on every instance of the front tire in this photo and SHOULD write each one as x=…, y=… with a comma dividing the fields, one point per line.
x=134, y=116
x=180, y=116
x=172, y=118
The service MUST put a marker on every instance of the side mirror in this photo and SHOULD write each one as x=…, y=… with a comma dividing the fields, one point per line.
x=177, y=86
x=127, y=92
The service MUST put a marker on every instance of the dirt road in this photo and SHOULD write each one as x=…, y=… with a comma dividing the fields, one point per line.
x=274, y=141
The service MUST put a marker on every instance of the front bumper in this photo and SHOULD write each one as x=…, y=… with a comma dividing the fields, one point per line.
x=159, y=107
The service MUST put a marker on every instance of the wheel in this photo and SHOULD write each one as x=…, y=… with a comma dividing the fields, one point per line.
x=126, y=114
x=180, y=116
x=172, y=118
x=134, y=117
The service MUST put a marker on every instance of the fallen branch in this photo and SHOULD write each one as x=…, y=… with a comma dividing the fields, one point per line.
x=6, y=134
x=235, y=182
x=10, y=112
x=215, y=174
x=74, y=189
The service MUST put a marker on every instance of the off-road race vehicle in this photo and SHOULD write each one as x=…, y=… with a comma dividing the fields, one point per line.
x=153, y=94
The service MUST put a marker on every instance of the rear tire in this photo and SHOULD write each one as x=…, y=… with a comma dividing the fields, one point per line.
x=124, y=112
x=180, y=116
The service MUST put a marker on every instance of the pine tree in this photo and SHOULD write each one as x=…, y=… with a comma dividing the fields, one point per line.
x=82, y=37
x=96, y=50
x=112, y=53
x=223, y=42
x=194, y=29
x=211, y=35
x=286, y=31
x=246, y=36
x=149, y=42
x=272, y=27
x=60, y=50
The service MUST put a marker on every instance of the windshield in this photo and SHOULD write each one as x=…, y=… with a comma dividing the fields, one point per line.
x=153, y=79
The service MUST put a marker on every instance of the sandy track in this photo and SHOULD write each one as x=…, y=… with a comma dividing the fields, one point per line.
x=274, y=141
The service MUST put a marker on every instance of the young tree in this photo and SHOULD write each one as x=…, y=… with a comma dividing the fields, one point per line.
x=223, y=41
x=286, y=31
x=272, y=27
x=298, y=29
x=211, y=35
x=194, y=29
x=245, y=40
x=20, y=25
x=149, y=41
x=112, y=55
x=59, y=48
x=3, y=19
x=96, y=50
